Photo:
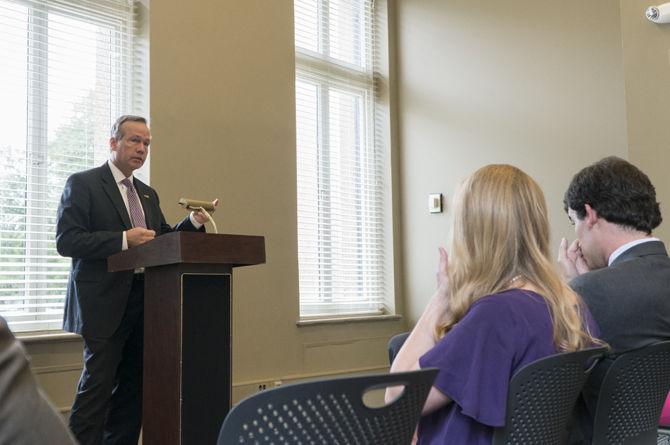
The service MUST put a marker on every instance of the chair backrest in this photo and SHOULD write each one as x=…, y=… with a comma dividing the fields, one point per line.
x=330, y=412
x=542, y=396
x=394, y=345
x=631, y=396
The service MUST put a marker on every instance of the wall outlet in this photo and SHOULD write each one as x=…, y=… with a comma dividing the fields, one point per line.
x=435, y=203
x=262, y=386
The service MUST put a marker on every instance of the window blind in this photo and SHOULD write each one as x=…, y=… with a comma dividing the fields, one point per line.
x=340, y=168
x=70, y=67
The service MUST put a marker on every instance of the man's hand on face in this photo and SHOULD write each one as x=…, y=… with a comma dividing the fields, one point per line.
x=571, y=262
x=139, y=235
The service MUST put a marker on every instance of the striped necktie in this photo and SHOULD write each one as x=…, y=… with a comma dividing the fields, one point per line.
x=136, y=215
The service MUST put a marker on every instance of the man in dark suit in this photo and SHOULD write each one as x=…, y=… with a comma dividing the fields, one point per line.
x=26, y=417
x=618, y=268
x=103, y=211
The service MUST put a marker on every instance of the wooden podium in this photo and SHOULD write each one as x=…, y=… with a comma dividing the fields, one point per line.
x=187, y=330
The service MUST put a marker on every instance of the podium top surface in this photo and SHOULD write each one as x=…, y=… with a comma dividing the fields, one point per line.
x=191, y=248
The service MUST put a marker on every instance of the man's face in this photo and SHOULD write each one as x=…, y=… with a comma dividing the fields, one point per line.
x=588, y=241
x=130, y=151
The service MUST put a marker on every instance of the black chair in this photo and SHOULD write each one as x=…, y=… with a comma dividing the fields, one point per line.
x=395, y=343
x=330, y=412
x=542, y=395
x=631, y=397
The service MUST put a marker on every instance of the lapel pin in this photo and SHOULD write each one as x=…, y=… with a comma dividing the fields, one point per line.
x=146, y=196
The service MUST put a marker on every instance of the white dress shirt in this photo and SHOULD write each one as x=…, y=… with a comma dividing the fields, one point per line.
x=627, y=246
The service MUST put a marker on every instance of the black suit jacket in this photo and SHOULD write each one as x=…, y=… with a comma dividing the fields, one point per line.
x=90, y=224
x=630, y=301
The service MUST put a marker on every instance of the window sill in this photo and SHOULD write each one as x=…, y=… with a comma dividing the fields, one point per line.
x=46, y=336
x=347, y=319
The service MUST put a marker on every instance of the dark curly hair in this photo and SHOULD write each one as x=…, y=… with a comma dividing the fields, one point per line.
x=618, y=191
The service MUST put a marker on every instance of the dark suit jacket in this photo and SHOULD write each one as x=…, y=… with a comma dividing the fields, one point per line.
x=26, y=417
x=630, y=301
x=89, y=228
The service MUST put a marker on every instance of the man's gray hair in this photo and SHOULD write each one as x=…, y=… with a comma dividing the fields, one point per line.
x=116, y=128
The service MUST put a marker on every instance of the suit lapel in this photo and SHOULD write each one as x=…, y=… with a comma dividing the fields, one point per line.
x=112, y=189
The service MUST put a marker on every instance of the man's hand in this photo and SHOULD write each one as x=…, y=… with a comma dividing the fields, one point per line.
x=571, y=262
x=139, y=235
x=200, y=216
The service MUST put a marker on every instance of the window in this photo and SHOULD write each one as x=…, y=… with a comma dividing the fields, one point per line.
x=341, y=158
x=69, y=68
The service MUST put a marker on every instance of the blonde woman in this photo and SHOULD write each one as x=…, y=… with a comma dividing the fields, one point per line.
x=499, y=305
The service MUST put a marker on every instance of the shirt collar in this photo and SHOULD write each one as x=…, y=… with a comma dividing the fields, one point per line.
x=118, y=174
x=627, y=246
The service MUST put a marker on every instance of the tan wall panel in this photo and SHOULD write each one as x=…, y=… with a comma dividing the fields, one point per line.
x=223, y=120
x=57, y=366
x=535, y=84
x=646, y=56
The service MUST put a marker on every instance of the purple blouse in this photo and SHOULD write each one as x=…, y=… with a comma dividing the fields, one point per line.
x=499, y=334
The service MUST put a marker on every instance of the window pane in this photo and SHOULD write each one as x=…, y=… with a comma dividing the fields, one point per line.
x=348, y=32
x=307, y=24
x=13, y=77
x=81, y=91
x=341, y=252
x=346, y=139
x=308, y=191
x=340, y=246
x=339, y=30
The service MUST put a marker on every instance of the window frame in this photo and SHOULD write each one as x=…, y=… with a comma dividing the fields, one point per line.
x=36, y=276
x=311, y=66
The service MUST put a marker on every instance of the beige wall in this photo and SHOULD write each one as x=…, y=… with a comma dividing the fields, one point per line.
x=523, y=82
x=529, y=83
x=646, y=57
x=223, y=119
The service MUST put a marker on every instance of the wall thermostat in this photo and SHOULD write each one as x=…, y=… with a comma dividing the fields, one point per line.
x=435, y=203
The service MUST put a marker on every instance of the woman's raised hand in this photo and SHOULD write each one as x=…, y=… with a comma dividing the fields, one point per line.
x=441, y=275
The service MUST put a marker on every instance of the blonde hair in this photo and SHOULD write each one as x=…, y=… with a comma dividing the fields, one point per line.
x=500, y=232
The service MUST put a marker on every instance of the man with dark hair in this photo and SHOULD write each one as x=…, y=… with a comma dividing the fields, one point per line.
x=618, y=268
x=103, y=211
